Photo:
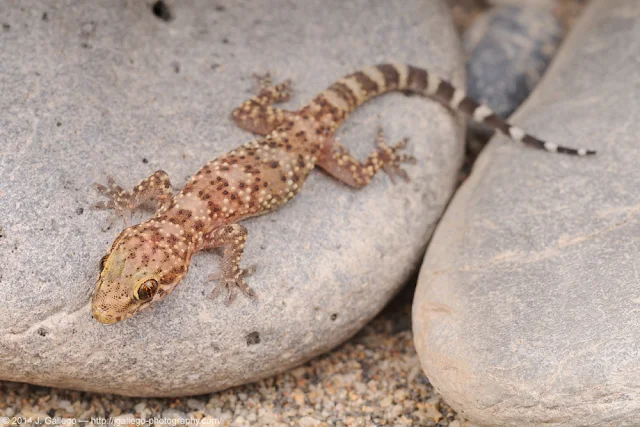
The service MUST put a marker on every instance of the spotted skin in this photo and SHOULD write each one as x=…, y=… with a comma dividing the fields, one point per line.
x=146, y=261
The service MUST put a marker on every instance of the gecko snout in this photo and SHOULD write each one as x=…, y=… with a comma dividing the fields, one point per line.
x=102, y=316
x=107, y=306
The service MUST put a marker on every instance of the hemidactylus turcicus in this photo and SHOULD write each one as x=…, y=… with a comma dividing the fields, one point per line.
x=146, y=261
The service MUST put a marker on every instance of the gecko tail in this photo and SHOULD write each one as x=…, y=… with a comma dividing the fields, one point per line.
x=431, y=85
x=351, y=91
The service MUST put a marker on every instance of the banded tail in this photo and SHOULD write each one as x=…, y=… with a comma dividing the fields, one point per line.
x=353, y=90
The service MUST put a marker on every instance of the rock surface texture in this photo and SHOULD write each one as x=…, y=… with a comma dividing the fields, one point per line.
x=114, y=88
x=527, y=310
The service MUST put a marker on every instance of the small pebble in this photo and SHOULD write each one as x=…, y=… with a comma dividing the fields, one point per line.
x=309, y=421
x=195, y=404
x=139, y=408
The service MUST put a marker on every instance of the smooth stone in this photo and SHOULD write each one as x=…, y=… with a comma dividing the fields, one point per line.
x=508, y=49
x=110, y=88
x=527, y=307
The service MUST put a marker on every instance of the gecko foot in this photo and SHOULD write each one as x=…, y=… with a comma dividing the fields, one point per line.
x=391, y=159
x=231, y=283
x=155, y=187
x=263, y=81
x=120, y=201
x=276, y=93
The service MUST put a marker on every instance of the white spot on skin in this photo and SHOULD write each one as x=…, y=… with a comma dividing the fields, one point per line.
x=458, y=96
x=432, y=85
x=352, y=84
x=335, y=100
x=550, y=147
x=481, y=113
x=403, y=74
x=375, y=75
x=516, y=133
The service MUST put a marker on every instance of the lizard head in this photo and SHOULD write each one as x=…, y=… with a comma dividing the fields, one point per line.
x=143, y=266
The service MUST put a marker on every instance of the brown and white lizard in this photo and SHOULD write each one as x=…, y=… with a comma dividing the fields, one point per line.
x=147, y=261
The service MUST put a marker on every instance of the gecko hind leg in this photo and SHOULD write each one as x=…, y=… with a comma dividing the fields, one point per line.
x=391, y=158
x=156, y=187
x=231, y=277
x=257, y=115
x=340, y=164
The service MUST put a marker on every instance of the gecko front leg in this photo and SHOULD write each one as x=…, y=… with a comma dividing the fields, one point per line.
x=155, y=187
x=257, y=114
x=340, y=164
x=233, y=238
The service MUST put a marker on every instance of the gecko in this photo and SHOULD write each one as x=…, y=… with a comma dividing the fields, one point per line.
x=146, y=261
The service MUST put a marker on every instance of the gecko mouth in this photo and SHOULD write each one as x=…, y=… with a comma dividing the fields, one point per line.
x=105, y=320
x=104, y=317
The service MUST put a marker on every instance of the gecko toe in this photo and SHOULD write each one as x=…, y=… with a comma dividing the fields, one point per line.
x=246, y=289
x=392, y=159
x=407, y=158
x=262, y=81
x=231, y=283
x=103, y=205
x=246, y=272
x=215, y=293
x=401, y=144
x=403, y=174
x=280, y=92
x=231, y=296
x=100, y=188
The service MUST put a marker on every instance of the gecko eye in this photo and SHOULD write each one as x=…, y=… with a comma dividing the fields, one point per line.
x=146, y=290
x=102, y=261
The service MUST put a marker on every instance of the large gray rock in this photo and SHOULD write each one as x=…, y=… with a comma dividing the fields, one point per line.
x=90, y=89
x=527, y=310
